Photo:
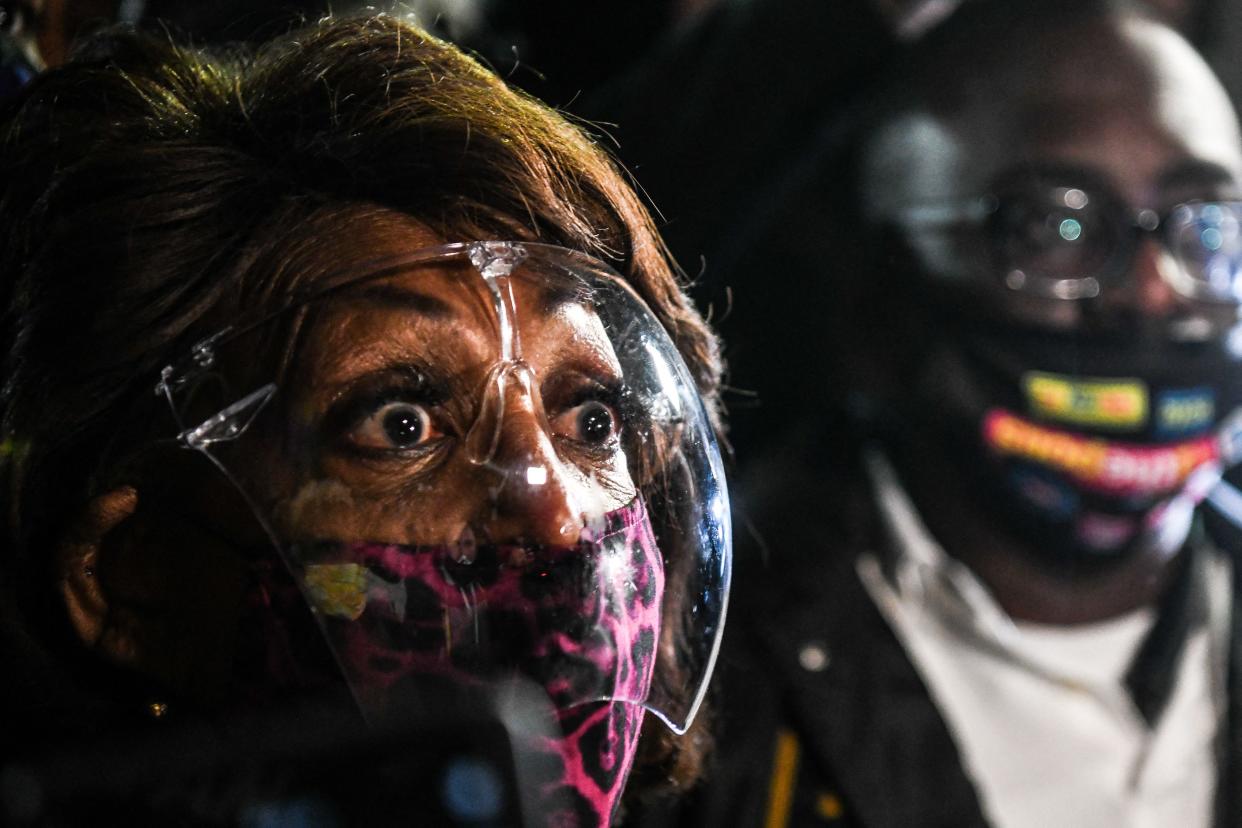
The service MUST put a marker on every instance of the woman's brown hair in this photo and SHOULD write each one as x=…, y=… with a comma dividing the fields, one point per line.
x=144, y=185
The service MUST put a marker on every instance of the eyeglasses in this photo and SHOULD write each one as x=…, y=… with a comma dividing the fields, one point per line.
x=1069, y=243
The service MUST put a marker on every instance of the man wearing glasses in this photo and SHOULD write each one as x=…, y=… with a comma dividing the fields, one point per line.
x=1012, y=613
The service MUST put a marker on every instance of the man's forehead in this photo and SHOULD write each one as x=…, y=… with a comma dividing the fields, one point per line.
x=1123, y=96
x=1131, y=97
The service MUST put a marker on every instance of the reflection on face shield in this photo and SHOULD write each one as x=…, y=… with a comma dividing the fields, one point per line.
x=581, y=619
x=483, y=461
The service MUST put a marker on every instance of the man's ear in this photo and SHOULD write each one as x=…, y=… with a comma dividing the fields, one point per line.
x=77, y=564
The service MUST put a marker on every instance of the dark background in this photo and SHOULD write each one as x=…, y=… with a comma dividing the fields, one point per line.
x=735, y=118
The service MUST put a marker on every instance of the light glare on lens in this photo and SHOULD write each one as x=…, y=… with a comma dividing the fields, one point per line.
x=1070, y=230
x=1220, y=276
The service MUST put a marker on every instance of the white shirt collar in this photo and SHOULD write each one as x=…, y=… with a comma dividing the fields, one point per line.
x=922, y=572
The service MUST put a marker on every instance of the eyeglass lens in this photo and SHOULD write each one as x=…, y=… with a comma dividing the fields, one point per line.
x=1065, y=233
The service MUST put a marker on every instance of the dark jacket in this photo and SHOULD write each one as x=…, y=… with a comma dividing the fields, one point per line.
x=823, y=718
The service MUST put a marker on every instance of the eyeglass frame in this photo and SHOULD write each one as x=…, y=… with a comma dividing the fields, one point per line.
x=980, y=211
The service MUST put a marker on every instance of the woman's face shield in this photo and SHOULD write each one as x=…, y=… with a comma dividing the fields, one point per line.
x=482, y=461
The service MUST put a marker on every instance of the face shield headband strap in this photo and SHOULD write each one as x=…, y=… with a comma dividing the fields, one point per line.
x=493, y=261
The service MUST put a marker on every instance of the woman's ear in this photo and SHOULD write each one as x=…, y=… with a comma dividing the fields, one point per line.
x=147, y=589
x=77, y=562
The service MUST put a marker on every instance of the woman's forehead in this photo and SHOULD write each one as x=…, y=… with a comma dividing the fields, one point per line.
x=454, y=293
x=442, y=315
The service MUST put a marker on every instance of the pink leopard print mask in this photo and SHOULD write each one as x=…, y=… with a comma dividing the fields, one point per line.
x=581, y=621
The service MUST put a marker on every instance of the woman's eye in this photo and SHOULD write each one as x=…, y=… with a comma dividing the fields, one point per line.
x=395, y=425
x=592, y=422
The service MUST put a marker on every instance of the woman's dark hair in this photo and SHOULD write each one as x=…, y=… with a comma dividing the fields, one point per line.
x=149, y=191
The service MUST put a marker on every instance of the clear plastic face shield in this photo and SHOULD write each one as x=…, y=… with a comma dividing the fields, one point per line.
x=480, y=461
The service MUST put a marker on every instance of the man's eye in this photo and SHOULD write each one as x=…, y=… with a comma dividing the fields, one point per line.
x=591, y=422
x=395, y=425
x=1029, y=227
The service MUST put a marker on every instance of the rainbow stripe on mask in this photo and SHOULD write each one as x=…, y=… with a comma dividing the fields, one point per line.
x=1104, y=466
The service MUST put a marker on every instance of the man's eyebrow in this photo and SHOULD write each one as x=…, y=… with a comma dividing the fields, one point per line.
x=1195, y=172
x=1048, y=172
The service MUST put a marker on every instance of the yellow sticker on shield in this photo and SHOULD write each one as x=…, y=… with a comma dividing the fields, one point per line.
x=1104, y=403
x=338, y=590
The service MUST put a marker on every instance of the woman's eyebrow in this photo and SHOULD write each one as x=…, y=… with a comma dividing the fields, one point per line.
x=394, y=295
x=553, y=298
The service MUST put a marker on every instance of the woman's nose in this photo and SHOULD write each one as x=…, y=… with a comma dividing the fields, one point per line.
x=536, y=500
